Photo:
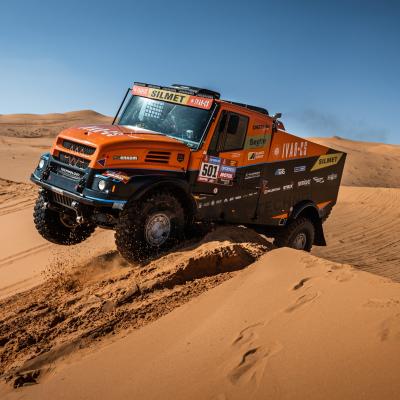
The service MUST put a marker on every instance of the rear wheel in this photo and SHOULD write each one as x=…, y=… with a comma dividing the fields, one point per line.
x=149, y=226
x=299, y=234
x=59, y=227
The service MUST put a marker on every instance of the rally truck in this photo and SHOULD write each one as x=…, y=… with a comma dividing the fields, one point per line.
x=177, y=156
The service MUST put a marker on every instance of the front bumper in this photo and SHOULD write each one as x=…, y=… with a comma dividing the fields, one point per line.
x=81, y=198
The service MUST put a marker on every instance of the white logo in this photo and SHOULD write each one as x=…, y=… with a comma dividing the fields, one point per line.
x=277, y=189
x=280, y=171
x=288, y=187
x=300, y=168
x=332, y=177
x=318, y=180
x=294, y=149
x=215, y=190
x=306, y=182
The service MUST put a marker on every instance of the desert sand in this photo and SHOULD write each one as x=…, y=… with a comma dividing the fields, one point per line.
x=227, y=316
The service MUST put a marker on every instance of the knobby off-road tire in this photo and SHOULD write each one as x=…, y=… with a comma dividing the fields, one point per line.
x=49, y=224
x=149, y=226
x=299, y=234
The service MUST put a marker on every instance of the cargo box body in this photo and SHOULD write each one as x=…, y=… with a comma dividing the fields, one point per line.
x=288, y=172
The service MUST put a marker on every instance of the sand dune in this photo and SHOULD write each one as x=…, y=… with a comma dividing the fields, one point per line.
x=290, y=325
x=367, y=164
x=47, y=125
x=279, y=330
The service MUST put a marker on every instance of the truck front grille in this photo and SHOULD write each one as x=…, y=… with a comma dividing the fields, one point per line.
x=61, y=199
x=161, y=157
x=78, y=147
x=73, y=161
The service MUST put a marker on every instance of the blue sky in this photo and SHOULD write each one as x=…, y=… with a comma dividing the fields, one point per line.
x=331, y=67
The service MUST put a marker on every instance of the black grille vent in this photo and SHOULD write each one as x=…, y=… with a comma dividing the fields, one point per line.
x=78, y=147
x=161, y=157
x=63, y=200
x=73, y=161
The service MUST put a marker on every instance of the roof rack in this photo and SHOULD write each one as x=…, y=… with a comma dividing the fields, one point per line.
x=191, y=90
x=254, y=108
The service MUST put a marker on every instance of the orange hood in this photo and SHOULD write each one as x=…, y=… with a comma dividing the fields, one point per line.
x=118, y=146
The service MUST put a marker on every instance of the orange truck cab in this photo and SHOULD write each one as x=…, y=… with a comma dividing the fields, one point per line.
x=177, y=155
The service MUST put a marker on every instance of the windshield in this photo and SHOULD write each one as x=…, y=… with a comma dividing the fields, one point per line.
x=184, y=123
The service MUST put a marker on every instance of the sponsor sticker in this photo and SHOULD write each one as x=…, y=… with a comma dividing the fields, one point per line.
x=125, y=158
x=252, y=175
x=288, y=187
x=118, y=175
x=100, y=130
x=294, y=149
x=272, y=190
x=327, y=160
x=280, y=171
x=304, y=182
x=255, y=155
x=173, y=97
x=257, y=141
x=299, y=168
x=332, y=177
x=217, y=170
x=318, y=179
x=260, y=126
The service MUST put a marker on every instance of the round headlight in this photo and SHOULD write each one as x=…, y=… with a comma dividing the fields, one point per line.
x=41, y=163
x=102, y=184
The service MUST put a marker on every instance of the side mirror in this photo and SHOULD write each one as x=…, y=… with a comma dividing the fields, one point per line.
x=277, y=116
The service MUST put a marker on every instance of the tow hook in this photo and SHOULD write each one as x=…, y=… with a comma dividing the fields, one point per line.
x=79, y=217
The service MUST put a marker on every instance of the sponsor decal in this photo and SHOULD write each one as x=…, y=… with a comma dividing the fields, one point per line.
x=215, y=190
x=217, y=170
x=256, y=141
x=318, y=179
x=327, y=160
x=277, y=150
x=100, y=130
x=252, y=175
x=102, y=162
x=260, y=126
x=125, y=158
x=68, y=172
x=280, y=171
x=173, y=97
x=332, y=177
x=118, y=175
x=294, y=149
x=300, y=168
x=255, y=155
x=304, y=182
x=288, y=187
x=272, y=190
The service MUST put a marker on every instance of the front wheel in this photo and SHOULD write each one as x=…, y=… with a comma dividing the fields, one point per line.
x=59, y=227
x=299, y=235
x=147, y=227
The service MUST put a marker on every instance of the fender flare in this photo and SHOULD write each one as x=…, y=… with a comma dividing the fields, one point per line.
x=309, y=209
x=175, y=185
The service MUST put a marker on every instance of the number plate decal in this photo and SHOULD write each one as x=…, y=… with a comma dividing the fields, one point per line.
x=215, y=170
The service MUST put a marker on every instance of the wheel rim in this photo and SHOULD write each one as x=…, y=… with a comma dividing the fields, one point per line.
x=300, y=241
x=157, y=229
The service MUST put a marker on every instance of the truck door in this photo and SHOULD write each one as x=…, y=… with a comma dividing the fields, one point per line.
x=220, y=173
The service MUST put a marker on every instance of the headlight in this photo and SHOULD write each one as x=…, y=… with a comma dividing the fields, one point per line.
x=102, y=184
x=41, y=163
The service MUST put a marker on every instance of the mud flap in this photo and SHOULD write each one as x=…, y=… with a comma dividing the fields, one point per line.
x=319, y=239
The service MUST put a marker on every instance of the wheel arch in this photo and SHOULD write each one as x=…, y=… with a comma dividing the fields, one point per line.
x=176, y=187
x=309, y=209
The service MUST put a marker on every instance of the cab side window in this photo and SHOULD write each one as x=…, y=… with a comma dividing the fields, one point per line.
x=235, y=134
x=230, y=133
